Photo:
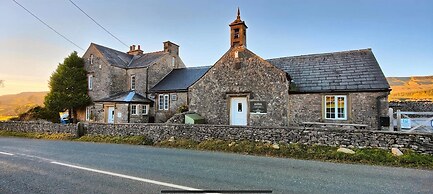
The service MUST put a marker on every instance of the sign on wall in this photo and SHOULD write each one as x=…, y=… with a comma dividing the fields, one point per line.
x=405, y=124
x=258, y=107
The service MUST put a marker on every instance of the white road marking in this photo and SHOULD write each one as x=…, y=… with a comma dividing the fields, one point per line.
x=130, y=177
x=5, y=153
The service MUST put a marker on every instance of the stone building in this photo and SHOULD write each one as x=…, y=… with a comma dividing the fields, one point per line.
x=243, y=89
x=172, y=92
x=119, y=83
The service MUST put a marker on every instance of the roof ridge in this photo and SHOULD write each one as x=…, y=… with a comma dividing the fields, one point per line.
x=109, y=48
x=153, y=52
x=321, y=54
x=197, y=67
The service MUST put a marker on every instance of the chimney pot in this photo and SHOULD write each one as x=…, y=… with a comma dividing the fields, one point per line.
x=138, y=47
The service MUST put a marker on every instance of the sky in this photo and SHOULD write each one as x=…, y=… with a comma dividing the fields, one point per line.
x=399, y=32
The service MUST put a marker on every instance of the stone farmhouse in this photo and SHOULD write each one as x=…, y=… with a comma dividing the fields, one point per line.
x=241, y=88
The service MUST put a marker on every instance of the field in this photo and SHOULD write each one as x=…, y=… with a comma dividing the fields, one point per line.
x=414, y=88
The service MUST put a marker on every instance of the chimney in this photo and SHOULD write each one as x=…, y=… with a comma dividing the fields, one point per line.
x=133, y=51
x=171, y=48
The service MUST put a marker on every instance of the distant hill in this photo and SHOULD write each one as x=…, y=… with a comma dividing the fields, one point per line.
x=413, y=88
x=14, y=104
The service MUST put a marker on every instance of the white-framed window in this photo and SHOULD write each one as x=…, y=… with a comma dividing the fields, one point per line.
x=173, y=61
x=336, y=107
x=163, y=101
x=132, y=82
x=90, y=82
x=145, y=109
x=88, y=113
x=166, y=101
x=134, y=110
x=91, y=59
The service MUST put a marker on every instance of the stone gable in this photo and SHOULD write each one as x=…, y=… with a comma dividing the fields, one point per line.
x=240, y=72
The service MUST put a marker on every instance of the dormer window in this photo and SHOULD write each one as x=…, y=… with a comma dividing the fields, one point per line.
x=132, y=82
x=91, y=59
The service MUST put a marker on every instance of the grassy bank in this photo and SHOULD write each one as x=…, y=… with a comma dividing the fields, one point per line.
x=54, y=136
x=371, y=156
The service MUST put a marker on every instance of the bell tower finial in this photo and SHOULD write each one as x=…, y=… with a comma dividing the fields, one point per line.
x=238, y=32
x=239, y=14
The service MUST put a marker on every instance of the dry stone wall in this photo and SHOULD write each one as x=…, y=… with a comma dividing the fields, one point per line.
x=38, y=127
x=419, y=142
x=420, y=106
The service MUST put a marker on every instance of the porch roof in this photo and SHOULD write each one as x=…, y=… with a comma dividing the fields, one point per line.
x=127, y=97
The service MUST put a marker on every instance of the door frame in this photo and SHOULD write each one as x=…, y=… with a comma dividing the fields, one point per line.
x=108, y=113
x=246, y=96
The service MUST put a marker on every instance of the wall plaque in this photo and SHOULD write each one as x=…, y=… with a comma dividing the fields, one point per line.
x=258, y=107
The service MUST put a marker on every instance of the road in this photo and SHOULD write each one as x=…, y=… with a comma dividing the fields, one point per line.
x=41, y=166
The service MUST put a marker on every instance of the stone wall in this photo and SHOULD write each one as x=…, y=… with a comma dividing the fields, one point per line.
x=162, y=68
x=419, y=142
x=162, y=116
x=241, y=73
x=363, y=108
x=140, y=80
x=38, y=127
x=421, y=106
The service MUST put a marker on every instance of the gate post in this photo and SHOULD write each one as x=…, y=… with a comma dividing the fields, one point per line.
x=398, y=120
x=391, y=119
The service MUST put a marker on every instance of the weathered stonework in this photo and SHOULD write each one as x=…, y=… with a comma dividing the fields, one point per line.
x=363, y=108
x=421, y=106
x=419, y=142
x=111, y=79
x=38, y=127
x=162, y=116
x=241, y=73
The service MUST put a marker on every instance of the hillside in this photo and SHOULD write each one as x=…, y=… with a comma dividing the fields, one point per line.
x=12, y=105
x=411, y=88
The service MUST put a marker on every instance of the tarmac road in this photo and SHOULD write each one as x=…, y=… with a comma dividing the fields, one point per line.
x=41, y=166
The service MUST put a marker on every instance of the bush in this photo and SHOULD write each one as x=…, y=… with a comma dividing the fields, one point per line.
x=182, y=108
x=38, y=113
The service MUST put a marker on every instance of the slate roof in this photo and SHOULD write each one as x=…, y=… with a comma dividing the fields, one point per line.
x=347, y=71
x=126, y=97
x=126, y=61
x=180, y=79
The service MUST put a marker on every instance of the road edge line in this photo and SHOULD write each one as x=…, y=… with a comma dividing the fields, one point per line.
x=5, y=153
x=129, y=177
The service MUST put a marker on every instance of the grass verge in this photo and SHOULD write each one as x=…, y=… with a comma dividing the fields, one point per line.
x=52, y=136
x=134, y=140
x=371, y=156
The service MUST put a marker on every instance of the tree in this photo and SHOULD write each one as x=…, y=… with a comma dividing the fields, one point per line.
x=2, y=83
x=68, y=86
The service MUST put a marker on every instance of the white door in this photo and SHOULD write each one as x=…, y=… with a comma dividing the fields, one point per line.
x=110, y=114
x=238, y=111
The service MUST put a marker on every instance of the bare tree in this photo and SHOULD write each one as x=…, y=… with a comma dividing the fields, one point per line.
x=2, y=83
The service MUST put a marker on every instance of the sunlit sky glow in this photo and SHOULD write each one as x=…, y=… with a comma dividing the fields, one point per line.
x=399, y=32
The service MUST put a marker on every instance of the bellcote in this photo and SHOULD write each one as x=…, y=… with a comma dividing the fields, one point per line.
x=238, y=32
